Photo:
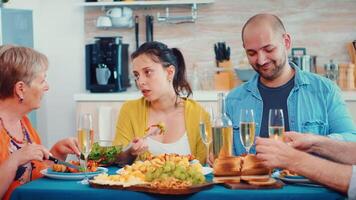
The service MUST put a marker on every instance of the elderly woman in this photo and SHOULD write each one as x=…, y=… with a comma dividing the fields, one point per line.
x=22, y=85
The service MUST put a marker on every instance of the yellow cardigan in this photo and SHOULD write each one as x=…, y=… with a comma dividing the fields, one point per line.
x=132, y=122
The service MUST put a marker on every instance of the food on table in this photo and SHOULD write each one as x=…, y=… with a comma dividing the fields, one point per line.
x=227, y=169
x=287, y=172
x=270, y=181
x=161, y=126
x=244, y=168
x=253, y=166
x=104, y=155
x=164, y=171
x=92, y=166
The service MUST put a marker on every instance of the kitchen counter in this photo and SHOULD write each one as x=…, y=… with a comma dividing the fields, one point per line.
x=197, y=95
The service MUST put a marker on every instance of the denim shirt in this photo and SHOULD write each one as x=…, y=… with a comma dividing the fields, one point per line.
x=314, y=106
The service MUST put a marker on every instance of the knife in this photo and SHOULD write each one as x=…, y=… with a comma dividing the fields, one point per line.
x=55, y=160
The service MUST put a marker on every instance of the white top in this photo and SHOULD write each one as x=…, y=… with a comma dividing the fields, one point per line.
x=180, y=147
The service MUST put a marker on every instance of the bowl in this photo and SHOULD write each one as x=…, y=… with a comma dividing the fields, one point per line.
x=244, y=74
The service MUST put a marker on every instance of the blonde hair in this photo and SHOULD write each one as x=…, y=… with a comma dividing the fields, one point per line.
x=19, y=64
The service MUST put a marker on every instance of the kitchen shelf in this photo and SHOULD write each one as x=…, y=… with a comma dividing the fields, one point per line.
x=147, y=3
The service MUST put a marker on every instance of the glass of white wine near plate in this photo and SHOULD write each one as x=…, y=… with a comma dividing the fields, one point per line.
x=85, y=137
x=203, y=127
x=247, y=128
x=276, y=124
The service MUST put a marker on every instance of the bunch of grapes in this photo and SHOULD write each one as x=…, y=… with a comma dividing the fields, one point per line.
x=181, y=171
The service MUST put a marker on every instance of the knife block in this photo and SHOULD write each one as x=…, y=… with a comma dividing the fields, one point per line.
x=224, y=77
x=346, y=76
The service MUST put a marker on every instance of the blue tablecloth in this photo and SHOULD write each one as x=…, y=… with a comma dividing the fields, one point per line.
x=46, y=188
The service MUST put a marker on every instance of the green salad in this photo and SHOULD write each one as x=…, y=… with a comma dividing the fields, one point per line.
x=106, y=155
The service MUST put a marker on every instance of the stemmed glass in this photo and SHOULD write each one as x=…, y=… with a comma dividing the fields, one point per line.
x=247, y=128
x=203, y=127
x=85, y=140
x=276, y=124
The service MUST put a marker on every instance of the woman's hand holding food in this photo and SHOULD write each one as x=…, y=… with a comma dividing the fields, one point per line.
x=138, y=146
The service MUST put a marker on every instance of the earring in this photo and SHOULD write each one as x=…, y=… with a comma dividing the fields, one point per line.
x=20, y=99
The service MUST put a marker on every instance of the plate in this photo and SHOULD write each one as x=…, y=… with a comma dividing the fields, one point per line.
x=300, y=180
x=148, y=189
x=71, y=176
x=206, y=170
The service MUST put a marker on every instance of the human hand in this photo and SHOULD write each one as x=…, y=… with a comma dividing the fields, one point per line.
x=64, y=147
x=138, y=146
x=28, y=153
x=275, y=154
x=300, y=141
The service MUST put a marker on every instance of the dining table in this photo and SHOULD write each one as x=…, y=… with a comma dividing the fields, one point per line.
x=51, y=188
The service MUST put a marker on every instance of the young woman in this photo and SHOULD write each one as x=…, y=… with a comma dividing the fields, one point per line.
x=160, y=75
x=22, y=85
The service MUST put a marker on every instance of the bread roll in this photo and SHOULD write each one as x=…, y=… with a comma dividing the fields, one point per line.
x=270, y=181
x=226, y=179
x=253, y=166
x=260, y=178
x=227, y=166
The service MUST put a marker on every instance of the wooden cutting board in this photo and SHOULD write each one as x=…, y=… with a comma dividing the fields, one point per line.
x=243, y=185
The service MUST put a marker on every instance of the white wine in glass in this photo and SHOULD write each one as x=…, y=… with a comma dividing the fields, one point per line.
x=247, y=128
x=85, y=139
x=203, y=128
x=276, y=124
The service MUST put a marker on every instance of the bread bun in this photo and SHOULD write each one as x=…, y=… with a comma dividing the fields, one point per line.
x=253, y=166
x=227, y=166
x=226, y=179
x=270, y=181
x=260, y=178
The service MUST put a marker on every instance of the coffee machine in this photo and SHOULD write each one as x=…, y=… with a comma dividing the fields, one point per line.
x=109, y=55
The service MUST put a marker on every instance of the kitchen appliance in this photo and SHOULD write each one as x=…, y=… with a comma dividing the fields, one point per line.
x=113, y=54
x=301, y=59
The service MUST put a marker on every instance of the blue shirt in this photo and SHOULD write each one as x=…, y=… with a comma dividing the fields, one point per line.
x=274, y=98
x=314, y=106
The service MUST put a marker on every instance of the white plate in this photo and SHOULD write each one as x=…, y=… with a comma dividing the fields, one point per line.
x=300, y=180
x=72, y=176
x=206, y=170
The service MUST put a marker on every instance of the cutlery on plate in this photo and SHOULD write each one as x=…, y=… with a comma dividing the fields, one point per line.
x=56, y=161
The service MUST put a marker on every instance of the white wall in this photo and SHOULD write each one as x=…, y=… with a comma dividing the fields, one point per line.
x=59, y=34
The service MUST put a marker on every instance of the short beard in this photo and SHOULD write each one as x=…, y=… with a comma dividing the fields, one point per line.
x=276, y=71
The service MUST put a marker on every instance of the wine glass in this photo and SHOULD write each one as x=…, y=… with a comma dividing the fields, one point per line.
x=276, y=124
x=247, y=128
x=85, y=140
x=203, y=127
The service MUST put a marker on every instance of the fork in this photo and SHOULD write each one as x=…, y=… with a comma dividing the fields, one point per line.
x=158, y=131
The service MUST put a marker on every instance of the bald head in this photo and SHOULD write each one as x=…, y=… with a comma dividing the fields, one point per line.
x=266, y=20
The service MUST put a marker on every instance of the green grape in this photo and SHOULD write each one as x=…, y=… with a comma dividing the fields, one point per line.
x=176, y=173
x=166, y=168
x=164, y=176
x=149, y=176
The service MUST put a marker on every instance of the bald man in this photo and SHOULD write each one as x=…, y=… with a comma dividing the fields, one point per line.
x=310, y=103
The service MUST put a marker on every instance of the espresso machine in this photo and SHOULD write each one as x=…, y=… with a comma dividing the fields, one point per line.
x=107, y=65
